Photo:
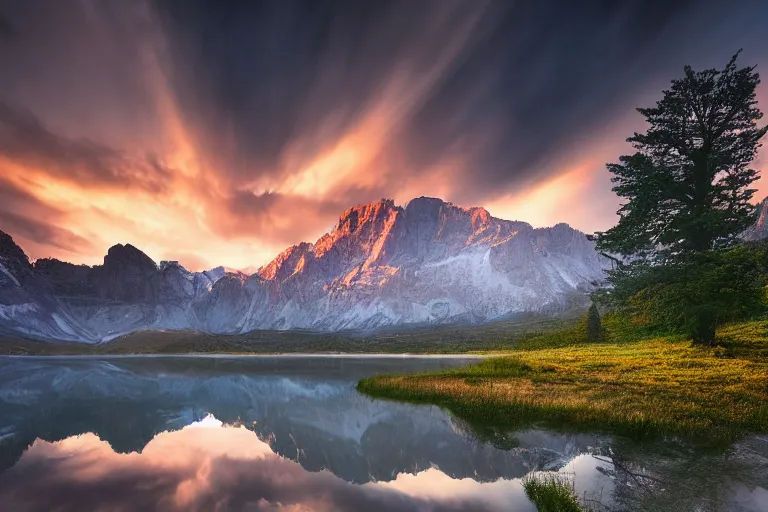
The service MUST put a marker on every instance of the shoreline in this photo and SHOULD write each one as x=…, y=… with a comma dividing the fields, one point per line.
x=307, y=355
x=632, y=384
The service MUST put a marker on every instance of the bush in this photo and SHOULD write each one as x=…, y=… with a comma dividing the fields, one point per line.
x=551, y=493
x=695, y=296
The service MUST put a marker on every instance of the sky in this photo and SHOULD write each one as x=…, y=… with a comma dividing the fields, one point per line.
x=219, y=133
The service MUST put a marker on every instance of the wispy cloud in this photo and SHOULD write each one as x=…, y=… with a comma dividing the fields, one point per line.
x=227, y=132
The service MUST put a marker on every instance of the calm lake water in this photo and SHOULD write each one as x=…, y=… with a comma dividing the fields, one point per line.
x=291, y=433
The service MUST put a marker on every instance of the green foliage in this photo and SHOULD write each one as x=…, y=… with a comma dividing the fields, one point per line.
x=687, y=185
x=551, y=493
x=694, y=297
x=687, y=191
x=587, y=329
x=618, y=327
x=565, y=337
x=594, y=325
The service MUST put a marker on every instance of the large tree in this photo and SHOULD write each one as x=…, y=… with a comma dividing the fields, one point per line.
x=687, y=192
x=687, y=186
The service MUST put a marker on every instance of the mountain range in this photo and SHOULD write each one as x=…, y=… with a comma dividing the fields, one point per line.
x=429, y=262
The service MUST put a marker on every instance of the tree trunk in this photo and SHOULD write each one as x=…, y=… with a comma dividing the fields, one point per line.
x=704, y=328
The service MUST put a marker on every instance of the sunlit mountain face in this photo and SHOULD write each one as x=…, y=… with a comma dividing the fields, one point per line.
x=222, y=134
x=382, y=265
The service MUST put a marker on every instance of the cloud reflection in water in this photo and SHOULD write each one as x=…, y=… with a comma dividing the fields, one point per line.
x=211, y=466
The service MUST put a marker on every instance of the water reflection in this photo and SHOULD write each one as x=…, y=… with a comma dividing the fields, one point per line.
x=307, y=409
x=206, y=466
x=135, y=434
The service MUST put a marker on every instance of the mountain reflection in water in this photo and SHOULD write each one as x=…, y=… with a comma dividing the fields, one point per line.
x=292, y=433
x=208, y=466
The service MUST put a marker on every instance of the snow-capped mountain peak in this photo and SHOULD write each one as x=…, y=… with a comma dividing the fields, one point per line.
x=382, y=264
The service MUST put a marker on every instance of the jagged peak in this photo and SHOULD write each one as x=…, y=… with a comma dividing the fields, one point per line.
x=171, y=264
x=478, y=215
x=45, y=263
x=757, y=231
x=358, y=215
x=9, y=249
x=381, y=215
x=762, y=209
x=290, y=251
x=230, y=278
x=273, y=268
x=120, y=248
x=214, y=274
x=236, y=274
x=127, y=253
x=422, y=203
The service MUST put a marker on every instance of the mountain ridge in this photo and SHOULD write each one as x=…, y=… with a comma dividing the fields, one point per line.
x=427, y=262
x=759, y=230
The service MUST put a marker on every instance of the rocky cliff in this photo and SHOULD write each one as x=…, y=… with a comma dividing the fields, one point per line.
x=759, y=231
x=381, y=265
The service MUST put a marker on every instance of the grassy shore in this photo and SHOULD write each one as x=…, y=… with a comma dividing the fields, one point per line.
x=635, y=384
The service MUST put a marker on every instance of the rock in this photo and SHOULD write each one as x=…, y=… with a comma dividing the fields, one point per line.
x=758, y=231
x=429, y=262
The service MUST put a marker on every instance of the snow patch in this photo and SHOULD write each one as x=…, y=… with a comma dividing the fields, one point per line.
x=10, y=276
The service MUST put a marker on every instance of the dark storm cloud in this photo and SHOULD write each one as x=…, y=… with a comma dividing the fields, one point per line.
x=295, y=75
x=529, y=82
x=78, y=65
x=264, y=119
x=549, y=72
x=7, y=30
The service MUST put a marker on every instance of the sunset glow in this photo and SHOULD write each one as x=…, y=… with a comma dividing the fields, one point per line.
x=213, y=171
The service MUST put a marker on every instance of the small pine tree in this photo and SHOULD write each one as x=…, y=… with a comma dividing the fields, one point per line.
x=594, y=325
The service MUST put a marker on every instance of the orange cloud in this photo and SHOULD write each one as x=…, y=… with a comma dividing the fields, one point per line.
x=162, y=185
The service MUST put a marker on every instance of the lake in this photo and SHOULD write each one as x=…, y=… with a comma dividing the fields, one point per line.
x=291, y=433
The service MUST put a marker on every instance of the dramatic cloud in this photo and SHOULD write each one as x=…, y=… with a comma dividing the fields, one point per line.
x=226, y=132
x=24, y=140
x=34, y=228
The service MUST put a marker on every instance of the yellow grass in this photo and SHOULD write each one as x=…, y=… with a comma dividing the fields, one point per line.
x=652, y=386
